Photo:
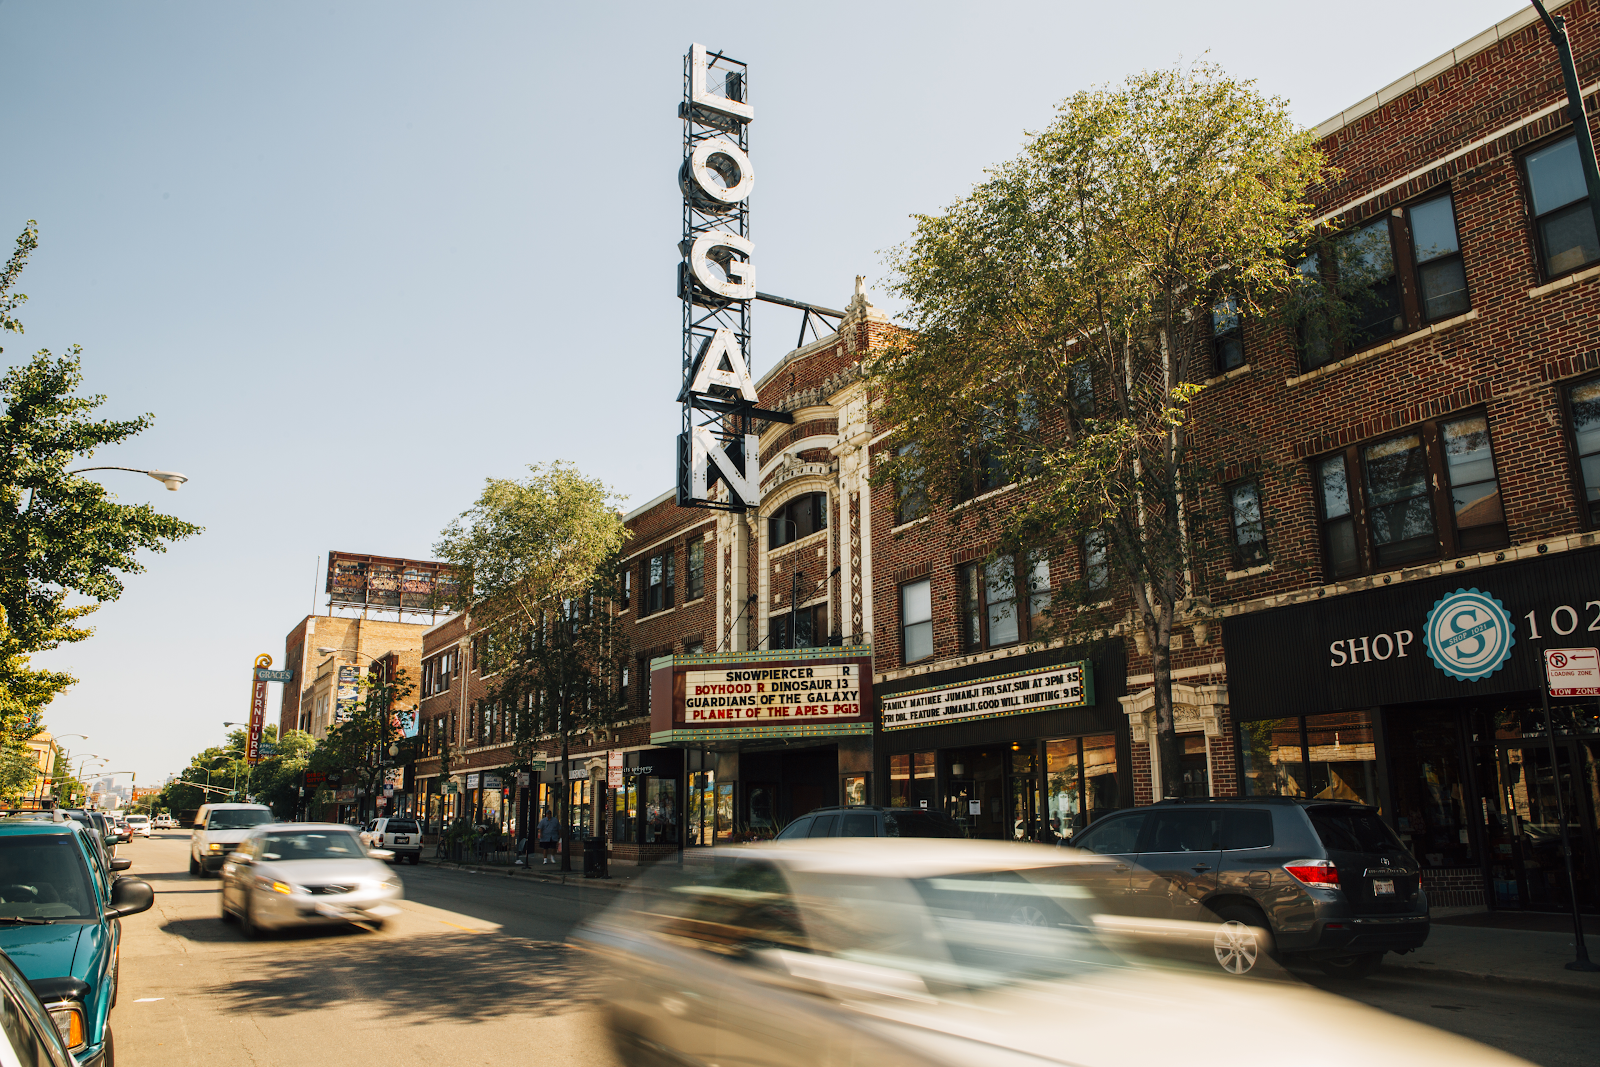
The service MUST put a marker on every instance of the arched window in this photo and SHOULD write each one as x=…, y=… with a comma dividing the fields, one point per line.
x=797, y=518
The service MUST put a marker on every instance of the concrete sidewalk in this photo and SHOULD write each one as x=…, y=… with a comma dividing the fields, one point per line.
x=538, y=872
x=1526, y=957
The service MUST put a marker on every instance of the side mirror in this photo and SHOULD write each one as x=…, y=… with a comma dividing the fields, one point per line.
x=120, y=863
x=130, y=896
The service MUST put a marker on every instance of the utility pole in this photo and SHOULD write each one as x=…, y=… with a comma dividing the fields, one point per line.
x=1557, y=25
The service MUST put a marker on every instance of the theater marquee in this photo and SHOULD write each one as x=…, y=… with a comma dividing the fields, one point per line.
x=1063, y=685
x=748, y=695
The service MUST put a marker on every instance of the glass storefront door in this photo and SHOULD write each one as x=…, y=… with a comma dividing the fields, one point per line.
x=1524, y=829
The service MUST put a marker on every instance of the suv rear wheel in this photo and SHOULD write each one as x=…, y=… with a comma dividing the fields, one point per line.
x=1352, y=966
x=1241, y=939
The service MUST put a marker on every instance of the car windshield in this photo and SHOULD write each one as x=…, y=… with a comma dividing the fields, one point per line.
x=311, y=845
x=237, y=818
x=43, y=877
x=1354, y=830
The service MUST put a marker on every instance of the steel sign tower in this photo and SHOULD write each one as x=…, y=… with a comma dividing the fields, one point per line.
x=717, y=283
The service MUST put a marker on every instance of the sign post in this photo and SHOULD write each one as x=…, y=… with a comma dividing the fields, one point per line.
x=1569, y=672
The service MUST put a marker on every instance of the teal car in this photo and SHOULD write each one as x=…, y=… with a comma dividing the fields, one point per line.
x=60, y=912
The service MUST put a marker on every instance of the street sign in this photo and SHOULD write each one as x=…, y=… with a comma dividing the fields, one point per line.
x=537, y=764
x=472, y=781
x=523, y=778
x=268, y=749
x=264, y=675
x=1572, y=672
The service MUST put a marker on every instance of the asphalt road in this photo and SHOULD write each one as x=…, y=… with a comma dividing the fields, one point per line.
x=474, y=971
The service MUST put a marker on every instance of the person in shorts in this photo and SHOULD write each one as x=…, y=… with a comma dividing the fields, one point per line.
x=549, y=832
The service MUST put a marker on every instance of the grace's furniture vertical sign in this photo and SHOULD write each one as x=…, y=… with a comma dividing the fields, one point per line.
x=816, y=692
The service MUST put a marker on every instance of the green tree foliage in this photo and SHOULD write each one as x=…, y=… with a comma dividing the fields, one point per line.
x=274, y=781
x=540, y=557
x=1061, y=320
x=64, y=543
x=65, y=786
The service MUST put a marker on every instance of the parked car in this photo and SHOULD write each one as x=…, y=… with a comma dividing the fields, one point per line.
x=399, y=834
x=218, y=829
x=60, y=922
x=165, y=821
x=292, y=874
x=31, y=1033
x=139, y=824
x=871, y=822
x=119, y=826
x=942, y=953
x=95, y=836
x=1326, y=881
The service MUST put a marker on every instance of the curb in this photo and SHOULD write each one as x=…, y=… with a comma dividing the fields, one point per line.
x=1549, y=985
x=568, y=878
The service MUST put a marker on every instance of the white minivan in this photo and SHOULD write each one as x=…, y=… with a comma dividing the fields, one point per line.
x=139, y=824
x=218, y=829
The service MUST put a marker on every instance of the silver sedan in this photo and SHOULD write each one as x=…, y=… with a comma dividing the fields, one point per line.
x=295, y=874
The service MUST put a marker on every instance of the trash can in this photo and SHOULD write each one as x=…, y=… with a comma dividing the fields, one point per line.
x=594, y=857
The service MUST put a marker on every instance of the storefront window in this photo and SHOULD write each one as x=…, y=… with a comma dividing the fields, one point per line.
x=702, y=808
x=1193, y=766
x=1429, y=786
x=724, y=828
x=660, y=811
x=626, y=811
x=578, y=815
x=911, y=779
x=1271, y=758
x=1343, y=762
x=1080, y=781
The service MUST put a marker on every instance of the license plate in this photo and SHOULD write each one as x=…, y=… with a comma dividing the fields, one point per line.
x=1383, y=887
x=402, y=840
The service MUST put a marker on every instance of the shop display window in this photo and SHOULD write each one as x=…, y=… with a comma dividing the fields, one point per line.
x=1430, y=787
x=1272, y=758
x=911, y=778
x=702, y=808
x=1342, y=761
x=627, y=813
x=660, y=811
x=1080, y=781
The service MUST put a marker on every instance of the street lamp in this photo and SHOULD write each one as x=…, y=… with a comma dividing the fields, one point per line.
x=170, y=479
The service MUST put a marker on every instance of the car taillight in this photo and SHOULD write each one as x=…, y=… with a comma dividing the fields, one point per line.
x=1320, y=873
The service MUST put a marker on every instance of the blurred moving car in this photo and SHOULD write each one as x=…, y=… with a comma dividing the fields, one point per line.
x=218, y=829
x=1326, y=881
x=29, y=1031
x=165, y=821
x=60, y=922
x=139, y=824
x=400, y=835
x=119, y=826
x=865, y=821
x=902, y=953
x=292, y=874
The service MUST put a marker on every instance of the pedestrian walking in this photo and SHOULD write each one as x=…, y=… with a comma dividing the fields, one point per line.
x=549, y=832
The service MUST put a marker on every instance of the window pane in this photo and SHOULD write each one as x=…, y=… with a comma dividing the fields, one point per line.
x=1469, y=459
x=1397, y=486
x=1083, y=388
x=916, y=619
x=971, y=608
x=1038, y=585
x=1064, y=794
x=1444, y=289
x=1344, y=764
x=1555, y=176
x=1429, y=787
x=924, y=764
x=1568, y=237
x=1230, y=353
x=1271, y=758
x=1335, y=487
x=999, y=595
x=1586, y=417
x=1224, y=317
x=1367, y=278
x=1433, y=229
x=1247, y=527
x=1100, y=775
x=1097, y=568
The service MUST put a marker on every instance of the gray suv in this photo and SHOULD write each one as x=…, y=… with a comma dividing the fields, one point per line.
x=871, y=821
x=1325, y=881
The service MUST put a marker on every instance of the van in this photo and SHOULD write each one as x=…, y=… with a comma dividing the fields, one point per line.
x=218, y=829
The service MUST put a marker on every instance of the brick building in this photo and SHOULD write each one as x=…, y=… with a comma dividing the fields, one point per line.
x=310, y=701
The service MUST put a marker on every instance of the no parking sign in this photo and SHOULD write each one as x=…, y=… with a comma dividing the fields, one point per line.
x=1572, y=672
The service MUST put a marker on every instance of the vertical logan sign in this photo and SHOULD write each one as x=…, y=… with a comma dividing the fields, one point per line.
x=717, y=282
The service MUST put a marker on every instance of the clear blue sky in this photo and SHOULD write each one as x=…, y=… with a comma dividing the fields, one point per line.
x=357, y=257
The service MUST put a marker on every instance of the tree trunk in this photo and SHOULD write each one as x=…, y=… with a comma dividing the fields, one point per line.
x=1169, y=755
x=566, y=788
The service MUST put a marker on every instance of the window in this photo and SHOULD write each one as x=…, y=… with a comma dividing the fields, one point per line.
x=1082, y=388
x=1249, y=532
x=1081, y=781
x=1562, y=221
x=1436, y=250
x=1227, y=335
x=800, y=517
x=911, y=495
x=1427, y=494
x=1328, y=757
x=658, y=583
x=625, y=589
x=810, y=624
x=694, y=648
x=983, y=467
x=1367, y=278
x=1096, y=564
x=996, y=609
x=1583, y=403
x=436, y=673
x=1474, y=489
x=696, y=556
x=1400, y=512
x=911, y=779
x=916, y=621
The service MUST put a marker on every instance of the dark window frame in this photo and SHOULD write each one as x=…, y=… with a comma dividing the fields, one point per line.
x=1449, y=541
x=777, y=620
x=1531, y=219
x=1590, y=517
x=910, y=501
x=695, y=572
x=970, y=611
x=778, y=522
x=900, y=609
x=1246, y=555
x=658, y=596
x=1222, y=338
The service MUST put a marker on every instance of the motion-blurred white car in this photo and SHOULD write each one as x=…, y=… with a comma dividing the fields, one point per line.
x=901, y=952
x=139, y=824
x=292, y=874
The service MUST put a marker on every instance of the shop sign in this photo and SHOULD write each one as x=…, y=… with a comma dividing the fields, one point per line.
x=472, y=781
x=1435, y=639
x=1061, y=685
x=1573, y=672
x=491, y=781
x=747, y=695
x=523, y=779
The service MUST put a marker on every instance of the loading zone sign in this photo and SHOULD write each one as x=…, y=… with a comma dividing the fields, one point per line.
x=1572, y=672
x=1065, y=685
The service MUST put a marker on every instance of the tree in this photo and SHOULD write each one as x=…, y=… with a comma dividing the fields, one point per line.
x=1061, y=317
x=539, y=556
x=278, y=778
x=64, y=543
